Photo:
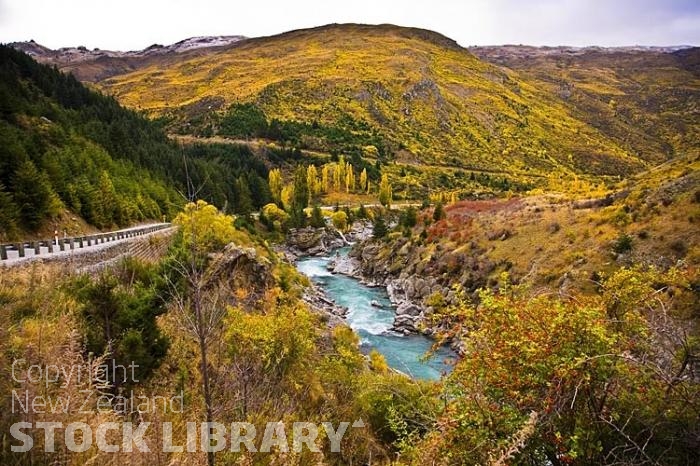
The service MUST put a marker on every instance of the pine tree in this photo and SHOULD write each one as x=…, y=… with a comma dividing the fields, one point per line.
x=108, y=198
x=90, y=205
x=361, y=211
x=317, y=219
x=379, y=229
x=121, y=325
x=72, y=198
x=244, y=203
x=300, y=200
x=259, y=190
x=439, y=212
x=409, y=217
x=9, y=216
x=33, y=194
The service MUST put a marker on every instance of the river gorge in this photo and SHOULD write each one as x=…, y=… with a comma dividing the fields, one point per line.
x=371, y=315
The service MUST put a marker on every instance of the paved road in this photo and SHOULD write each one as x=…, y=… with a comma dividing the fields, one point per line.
x=111, y=239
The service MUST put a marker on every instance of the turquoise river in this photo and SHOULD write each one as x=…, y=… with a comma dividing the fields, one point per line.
x=372, y=324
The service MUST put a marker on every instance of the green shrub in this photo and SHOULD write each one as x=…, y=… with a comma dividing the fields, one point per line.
x=679, y=246
x=379, y=228
x=623, y=244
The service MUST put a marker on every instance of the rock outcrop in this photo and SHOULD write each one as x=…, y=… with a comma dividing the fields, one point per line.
x=345, y=265
x=321, y=304
x=240, y=266
x=414, y=277
x=408, y=318
x=314, y=241
x=360, y=231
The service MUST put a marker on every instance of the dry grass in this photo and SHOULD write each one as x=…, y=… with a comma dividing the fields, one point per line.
x=546, y=241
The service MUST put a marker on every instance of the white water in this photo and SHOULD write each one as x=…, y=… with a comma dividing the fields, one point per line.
x=372, y=324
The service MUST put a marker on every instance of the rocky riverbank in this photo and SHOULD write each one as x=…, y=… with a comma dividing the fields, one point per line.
x=413, y=284
x=406, y=293
x=323, y=305
x=312, y=241
x=376, y=264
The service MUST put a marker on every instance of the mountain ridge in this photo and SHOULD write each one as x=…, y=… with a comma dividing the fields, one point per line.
x=412, y=96
x=96, y=64
x=30, y=46
x=37, y=50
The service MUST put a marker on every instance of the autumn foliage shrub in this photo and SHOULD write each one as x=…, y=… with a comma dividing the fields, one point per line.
x=552, y=380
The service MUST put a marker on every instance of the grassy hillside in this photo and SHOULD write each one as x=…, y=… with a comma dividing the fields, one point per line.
x=647, y=100
x=414, y=95
x=649, y=220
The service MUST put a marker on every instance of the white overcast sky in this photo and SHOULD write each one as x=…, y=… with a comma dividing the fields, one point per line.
x=136, y=24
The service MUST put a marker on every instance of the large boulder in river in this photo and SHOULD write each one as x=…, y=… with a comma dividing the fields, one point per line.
x=408, y=316
x=407, y=308
x=345, y=265
x=405, y=324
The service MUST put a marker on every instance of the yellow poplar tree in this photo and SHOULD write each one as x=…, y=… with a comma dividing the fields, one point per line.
x=341, y=170
x=363, y=180
x=349, y=179
x=326, y=178
x=385, y=194
x=275, y=182
x=336, y=177
x=286, y=195
x=312, y=180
